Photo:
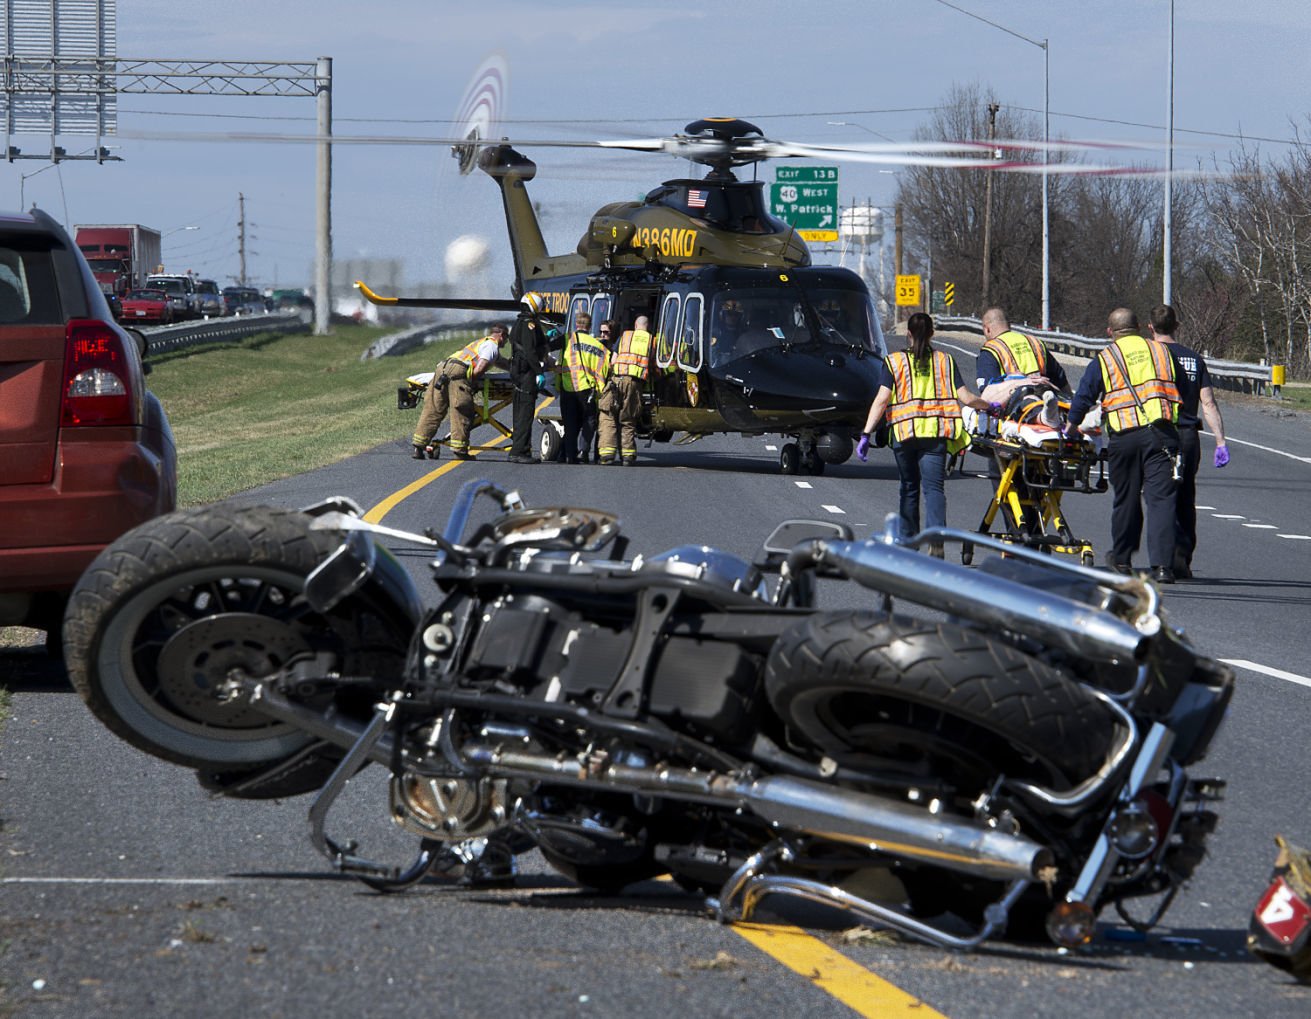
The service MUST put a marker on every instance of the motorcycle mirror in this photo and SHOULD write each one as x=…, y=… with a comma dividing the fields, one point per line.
x=790, y=533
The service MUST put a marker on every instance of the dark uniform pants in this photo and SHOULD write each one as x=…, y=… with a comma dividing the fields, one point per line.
x=448, y=390
x=525, y=402
x=1185, y=532
x=1141, y=464
x=578, y=414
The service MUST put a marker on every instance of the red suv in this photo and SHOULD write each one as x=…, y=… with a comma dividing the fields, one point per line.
x=86, y=451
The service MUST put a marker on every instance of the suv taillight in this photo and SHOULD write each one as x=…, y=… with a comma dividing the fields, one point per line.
x=97, y=377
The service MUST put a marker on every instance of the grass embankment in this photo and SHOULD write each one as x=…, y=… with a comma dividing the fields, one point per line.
x=272, y=407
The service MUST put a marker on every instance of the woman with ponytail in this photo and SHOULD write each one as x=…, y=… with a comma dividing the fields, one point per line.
x=921, y=392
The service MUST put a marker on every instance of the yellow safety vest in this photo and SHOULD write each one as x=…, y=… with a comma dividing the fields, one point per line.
x=924, y=403
x=469, y=354
x=587, y=360
x=1017, y=354
x=633, y=356
x=1147, y=393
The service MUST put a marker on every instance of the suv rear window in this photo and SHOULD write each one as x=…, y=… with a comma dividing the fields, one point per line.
x=28, y=293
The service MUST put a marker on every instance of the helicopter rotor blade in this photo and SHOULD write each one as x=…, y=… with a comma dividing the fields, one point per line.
x=472, y=304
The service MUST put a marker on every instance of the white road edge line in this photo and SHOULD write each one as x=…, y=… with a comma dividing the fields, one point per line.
x=1265, y=670
x=1297, y=537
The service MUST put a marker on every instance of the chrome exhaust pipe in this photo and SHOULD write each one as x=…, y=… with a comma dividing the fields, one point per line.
x=876, y=823
x=988, y=599
x=872, y=822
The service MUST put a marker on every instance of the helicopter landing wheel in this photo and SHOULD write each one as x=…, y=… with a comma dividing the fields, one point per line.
x=813, y=464
x=789, y=458
x=550, y=443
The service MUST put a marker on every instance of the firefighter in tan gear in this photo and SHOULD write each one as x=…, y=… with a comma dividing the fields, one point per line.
x=620, y=405
x=451, y=389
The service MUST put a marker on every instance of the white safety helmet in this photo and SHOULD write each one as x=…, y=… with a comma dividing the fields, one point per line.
x=534, y=301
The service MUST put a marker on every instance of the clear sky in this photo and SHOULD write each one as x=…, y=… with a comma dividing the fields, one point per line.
x=616, y=69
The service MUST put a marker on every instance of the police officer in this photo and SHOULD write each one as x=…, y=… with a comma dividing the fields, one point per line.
x=583, y=369
x=922, y=392
x=1134, y=380
x=1008, y=352
x=529, y=352
x=620, y=405
x=450, y=389
x=1194, y=380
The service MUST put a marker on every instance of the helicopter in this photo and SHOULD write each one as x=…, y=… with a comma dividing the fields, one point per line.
x=749, y=336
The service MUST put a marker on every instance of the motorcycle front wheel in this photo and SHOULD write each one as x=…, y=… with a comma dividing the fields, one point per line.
x=170, y=611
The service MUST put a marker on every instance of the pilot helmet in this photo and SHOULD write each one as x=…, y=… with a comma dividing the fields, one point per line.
x=534, y=301
x=731, y=312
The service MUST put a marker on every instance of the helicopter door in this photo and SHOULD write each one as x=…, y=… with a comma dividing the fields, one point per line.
x=689, y=339
x=668, y=332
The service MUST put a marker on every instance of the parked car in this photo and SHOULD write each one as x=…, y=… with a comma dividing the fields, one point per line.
x=181, y=292
x=147, y=306
x=208, y=298
x=243, y=301
x=86, y=447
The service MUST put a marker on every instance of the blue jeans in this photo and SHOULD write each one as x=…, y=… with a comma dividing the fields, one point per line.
x=922, y=463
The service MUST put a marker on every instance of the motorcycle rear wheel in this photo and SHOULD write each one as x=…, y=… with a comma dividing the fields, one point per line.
x=948, y=702
x=164, y=613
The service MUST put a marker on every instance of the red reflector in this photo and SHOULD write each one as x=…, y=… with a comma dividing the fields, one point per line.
x=98, y=377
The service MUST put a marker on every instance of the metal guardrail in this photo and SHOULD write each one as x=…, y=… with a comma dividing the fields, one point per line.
x=162, y=339
x=1236, y=376
x=395, y=344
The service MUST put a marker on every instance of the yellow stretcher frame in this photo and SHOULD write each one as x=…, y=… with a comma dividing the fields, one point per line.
x=1028, y=494
x=494, y=393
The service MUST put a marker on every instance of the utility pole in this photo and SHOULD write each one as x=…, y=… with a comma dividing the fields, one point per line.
x=987, y=210
x=323, y=202
x=896, y=261
x=241, y=237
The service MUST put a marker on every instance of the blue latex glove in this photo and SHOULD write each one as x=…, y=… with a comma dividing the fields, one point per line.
x=1221, y=455
x=541, y=381
x=994, y=410
x=1072, y=433
x=862, y=448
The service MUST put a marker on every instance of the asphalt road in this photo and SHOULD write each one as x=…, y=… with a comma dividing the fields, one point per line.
x=126, y=891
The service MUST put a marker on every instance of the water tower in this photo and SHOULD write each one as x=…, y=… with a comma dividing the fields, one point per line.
x=861, y=227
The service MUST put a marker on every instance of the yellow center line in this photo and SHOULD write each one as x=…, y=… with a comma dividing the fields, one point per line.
x=381, y=509
x=863, y=992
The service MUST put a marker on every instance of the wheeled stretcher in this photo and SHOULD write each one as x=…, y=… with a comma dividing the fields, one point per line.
x=492, y=394
x=1036, y=466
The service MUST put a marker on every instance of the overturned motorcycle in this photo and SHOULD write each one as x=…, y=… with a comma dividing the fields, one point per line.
x=1018, y=766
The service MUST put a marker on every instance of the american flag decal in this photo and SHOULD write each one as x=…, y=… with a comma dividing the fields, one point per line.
x=696, y=199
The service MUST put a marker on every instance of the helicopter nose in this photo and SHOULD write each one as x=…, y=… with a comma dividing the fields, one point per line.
x=798, y=380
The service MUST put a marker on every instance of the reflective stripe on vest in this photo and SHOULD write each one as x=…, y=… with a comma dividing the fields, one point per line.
x=587, y=359
x=1017, y=354
x=924, y=403
x=1148, y=394
x=468, y=355
x=633, y=355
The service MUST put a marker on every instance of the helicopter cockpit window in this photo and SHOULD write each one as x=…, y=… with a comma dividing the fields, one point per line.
x=744, y=321
x=849, y=317
x=689, y=341
x=579, y=304
x=600, y=311
x=668, y=330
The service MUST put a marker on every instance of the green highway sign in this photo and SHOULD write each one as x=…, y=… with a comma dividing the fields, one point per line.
x=806, y=174
x=812, y=209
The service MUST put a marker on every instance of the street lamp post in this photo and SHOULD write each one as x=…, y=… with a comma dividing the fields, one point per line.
x=1166, y=251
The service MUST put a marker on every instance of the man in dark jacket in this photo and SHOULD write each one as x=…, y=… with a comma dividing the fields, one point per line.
x=529, y=351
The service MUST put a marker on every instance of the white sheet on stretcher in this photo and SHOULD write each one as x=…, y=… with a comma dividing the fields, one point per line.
x=1034, y=435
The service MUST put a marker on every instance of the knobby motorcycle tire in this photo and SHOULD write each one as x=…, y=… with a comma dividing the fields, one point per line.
x=942, y=697
x=174, y=583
